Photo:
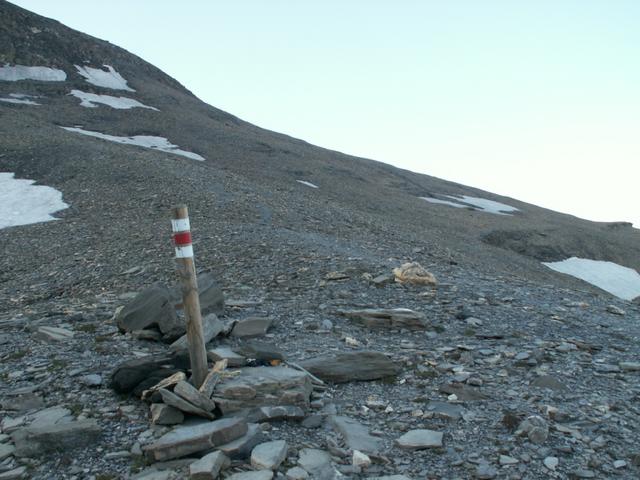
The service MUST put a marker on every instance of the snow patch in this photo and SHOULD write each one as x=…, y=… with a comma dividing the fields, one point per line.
x=308, y=184
x=485, y=205
x=91, y=100
x=18, y=100
x=475, y=203
x=623, y=282
x=146, y=141
x=22, y=72
x=444, y=202
x=22, y=203
x=107, y=79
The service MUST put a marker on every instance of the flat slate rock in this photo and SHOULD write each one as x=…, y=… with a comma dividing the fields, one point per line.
x=355, y=435
x=420, y=439
x=189, y=439
x=317, y=463
x=388, y=318
x=259, y=475
x=145, y=372
x=550, y=382
x=183, y=405
x=211, y=328
x=209, y=466
x=225, y=353
x=463, y=392
x=269, y=455
x=153, y=306
x=242, y=447
x=351, y=366
x=272, y=414
x=162, y=414
x=263, y=386
x=53, y=334
x=60, y=437
x=251, y=327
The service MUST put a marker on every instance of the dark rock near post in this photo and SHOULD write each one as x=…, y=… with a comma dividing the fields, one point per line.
x=209, y=292
x=352, y=366
x=142, y=373
x=153, y=306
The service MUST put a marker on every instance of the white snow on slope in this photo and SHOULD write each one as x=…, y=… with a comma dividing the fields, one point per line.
x=107, y=79
x=21, y=72
x=18, y=100
x=623, y=282
x=91, y=100
x=485, y=205
x=308, y=184
x=146, y=141
x=475, y=203
x=22, y=203
x=444, y=202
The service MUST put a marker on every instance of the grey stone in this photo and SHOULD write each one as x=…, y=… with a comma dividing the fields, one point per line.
x=142, y=373
x=420, y=439
x=191, y=394
x=448, y=411
x=484, y=471
x=180, y=403
x=390, y=477
x=153, y=306
x=317, y=463
x=53, y=334
x=259, y=475
x=360, y=459
x=14, y=474
x=615, y=310
x=629, y=366
x=210, y=294
x=547, y=381
x=6, y=450
x=269, y=455
x=351, y=366
x=263, y=386
x=251, y=327
x=209, y=466
x=272, y=414
x=50, y=416
x=92, y=380
x=162, y=414
x=551, y=462
x=62, y=437
x=535, y=428
x=463, y=392
x=388, y=318
x=186, y=440
x=355, y=435
x=211, y=328
x=241, y=447
x=222, y=353
x=153, y=474
x=297, y=473
x=263, y=352
x=313, y=421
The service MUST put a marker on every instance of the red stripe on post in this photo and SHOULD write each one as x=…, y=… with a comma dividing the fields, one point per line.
x=182, y=239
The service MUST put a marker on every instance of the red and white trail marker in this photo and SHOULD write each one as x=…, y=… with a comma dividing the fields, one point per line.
x=182, y=237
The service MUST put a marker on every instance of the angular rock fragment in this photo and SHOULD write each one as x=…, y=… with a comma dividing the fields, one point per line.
x=272, y=414
x=535, y=428
x=225, y=353
x=251, y=327
x=355, y=435
x=191, y=394
x=61, y=437
x=269, y=455
x=209, y=466
x=297, y=473
x=190, y=439
x=211, y=328
x=262, y=352
x=463, y=392
x=550, y=382
x=414, y=273
x=242, y=446
x=420, y=439
x=388, y=318
x=209, y=292
x=316, y=462
x=351, y=366
x=53, y=334
x=162, y=414
x=14, y=474
x=152, y=306
x=145, y=372
x=259, y=475
x=263, y=386
x=167, y=383
x=6, y=450
x=183, y=405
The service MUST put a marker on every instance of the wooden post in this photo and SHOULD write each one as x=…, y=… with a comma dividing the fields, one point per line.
x=190, y=297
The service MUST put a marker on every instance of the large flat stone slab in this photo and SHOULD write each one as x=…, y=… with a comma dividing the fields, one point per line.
x=388, y=318
x=355, y=435
x=151, y=307
x=242, y=447
x=351, y=366
x=209, y=466
x=263, y=386
x=186, y=440
x=269, y=455
x=183, y=405
x=420, y=439
x=60, y=437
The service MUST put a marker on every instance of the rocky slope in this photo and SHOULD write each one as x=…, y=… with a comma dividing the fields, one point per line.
x=501, y=338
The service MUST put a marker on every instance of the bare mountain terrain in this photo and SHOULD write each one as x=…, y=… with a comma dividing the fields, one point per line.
x=302, y=236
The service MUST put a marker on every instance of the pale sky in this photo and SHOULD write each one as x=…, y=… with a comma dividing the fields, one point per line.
x=539, y=101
